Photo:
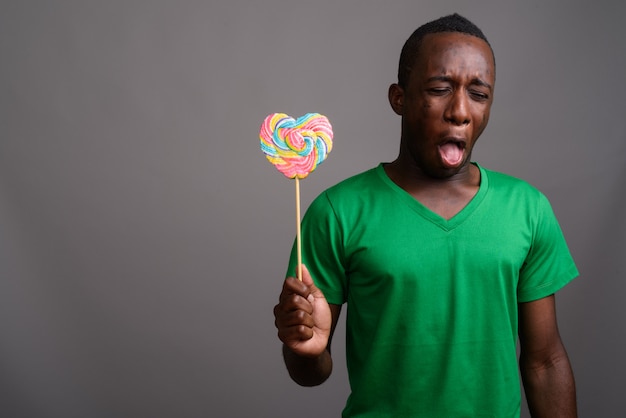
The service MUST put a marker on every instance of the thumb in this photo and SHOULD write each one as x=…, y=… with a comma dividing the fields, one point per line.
x=308, y=280
x=306, y=276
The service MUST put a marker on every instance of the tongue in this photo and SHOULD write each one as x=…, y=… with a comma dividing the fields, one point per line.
x=451, y=154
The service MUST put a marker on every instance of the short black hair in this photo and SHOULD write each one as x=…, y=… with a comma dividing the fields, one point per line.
x=450, y=23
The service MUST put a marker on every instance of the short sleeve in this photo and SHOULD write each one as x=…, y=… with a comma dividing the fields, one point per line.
x=322, y=250
x=549, y=265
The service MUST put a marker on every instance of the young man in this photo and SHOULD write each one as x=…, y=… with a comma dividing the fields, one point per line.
x=441, y=262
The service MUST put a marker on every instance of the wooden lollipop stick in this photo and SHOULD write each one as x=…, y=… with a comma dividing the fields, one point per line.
x=283, y=141
x=298, y=236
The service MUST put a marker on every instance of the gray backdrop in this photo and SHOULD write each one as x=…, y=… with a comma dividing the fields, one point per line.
x=144, y=237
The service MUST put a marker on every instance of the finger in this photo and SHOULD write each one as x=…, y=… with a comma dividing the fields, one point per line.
x=308, y=281
x=292, y=318
x=293, y=285
x=306, y=276
x=294, y=302
x=297, y=333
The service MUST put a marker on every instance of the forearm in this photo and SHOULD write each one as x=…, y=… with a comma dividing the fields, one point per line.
x=308, y=371
x=549, y=386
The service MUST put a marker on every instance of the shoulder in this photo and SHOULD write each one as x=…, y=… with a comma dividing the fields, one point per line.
x=517, y=196
x=349, y=194
x=353, y=186
x=354, y=183
x=508, y=185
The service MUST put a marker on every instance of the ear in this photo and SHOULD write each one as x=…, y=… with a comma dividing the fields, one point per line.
x=396, y=98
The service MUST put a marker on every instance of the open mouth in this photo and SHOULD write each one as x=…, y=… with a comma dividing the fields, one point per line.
x=452, y=152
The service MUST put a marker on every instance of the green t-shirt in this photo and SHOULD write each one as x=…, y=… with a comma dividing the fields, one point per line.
x=432, y=303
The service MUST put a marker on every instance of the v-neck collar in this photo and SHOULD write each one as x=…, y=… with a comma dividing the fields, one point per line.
x=445, y=224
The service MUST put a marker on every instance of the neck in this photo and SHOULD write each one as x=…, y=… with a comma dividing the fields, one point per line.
x=413, y=179
x=444, y=196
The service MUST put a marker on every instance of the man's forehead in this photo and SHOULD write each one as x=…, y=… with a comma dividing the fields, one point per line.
x=455, y=49
x=442, y=42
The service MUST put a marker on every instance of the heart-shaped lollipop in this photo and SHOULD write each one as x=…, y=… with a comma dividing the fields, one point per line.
x=296, y=146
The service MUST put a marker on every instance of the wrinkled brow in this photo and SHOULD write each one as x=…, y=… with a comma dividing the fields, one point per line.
x=475, y=81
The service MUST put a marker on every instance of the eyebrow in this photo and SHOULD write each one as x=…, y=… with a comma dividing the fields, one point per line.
x=475, y=80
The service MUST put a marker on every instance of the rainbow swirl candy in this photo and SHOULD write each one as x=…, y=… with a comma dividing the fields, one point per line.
x=296, y=146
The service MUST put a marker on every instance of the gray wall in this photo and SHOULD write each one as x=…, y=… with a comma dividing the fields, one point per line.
x=143, y=236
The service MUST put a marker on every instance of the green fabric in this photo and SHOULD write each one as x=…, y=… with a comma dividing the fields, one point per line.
x=432, y=303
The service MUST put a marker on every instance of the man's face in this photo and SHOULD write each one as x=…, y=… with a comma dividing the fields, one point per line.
x=446, y=102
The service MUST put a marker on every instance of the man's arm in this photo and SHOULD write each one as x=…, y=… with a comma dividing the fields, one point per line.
x=306, y=323
x=312, y=371
x=544, y=365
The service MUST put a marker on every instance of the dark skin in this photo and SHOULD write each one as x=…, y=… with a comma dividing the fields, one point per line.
x=545, y=368
x=445, y=104
x=306, y=323
x=445, y=108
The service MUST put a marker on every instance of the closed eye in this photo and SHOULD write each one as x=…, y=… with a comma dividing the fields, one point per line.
x=478, y=95
x=439, y=91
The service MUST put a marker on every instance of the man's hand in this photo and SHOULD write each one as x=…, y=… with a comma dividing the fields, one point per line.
x=303, y=317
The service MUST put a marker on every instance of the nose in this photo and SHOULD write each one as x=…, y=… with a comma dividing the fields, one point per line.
x=457, y=110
